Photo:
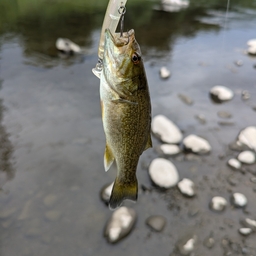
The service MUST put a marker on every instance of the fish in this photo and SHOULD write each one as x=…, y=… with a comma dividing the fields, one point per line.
x=126, y=112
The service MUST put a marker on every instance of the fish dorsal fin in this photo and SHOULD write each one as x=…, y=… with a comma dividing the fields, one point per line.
x=108, y=158
x=149, y=143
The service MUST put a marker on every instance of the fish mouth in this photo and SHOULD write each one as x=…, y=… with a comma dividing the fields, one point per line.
x=118, y=41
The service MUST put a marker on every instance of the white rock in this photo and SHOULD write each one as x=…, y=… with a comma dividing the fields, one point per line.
x=196, y=144
x=166, y=130
x=245, y=231
x=218, y=203
x=222, y=93
x=164, y=73
x=120, y=224
x=239, y=200
x=66, y=45
x=252, y=42
x=169, y=149
x=186, y=246
x=163, y=173
x=251, y=222
x=106, y=192
x=246, y=157
x=187, y=187
x=248, y=137
x=251, y=50
x=234, y=163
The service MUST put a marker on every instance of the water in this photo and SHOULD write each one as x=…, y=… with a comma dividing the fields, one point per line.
x=52, y=141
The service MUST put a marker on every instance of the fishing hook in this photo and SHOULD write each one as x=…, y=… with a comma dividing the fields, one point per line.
x=122, y=11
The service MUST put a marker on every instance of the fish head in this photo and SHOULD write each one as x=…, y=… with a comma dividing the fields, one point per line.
x=122, y=55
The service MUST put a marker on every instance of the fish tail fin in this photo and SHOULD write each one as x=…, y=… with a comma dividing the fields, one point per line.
x=123, y=190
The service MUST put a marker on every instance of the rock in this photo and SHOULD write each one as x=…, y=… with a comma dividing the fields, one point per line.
x=53, y=215
x=245, y=231
x=187, y=187
x=120, y=224
x=239, y=200
x=67, y=46
x=221, y=93
x=196, y=144
x=156, y=222
x=163, y=173
x=224, y=114
x=186, y=99
x=232, y=181
x=234, y=163
x=209, y=242
x=168, y=149
x=201, y=118
x=251, y=50
x=166, y=130
x=106, y=192
x=245, y=95
x=239, y=63
x=218, y=203
x=164, y=73
x=225, y=123
x=248, y=137
x=246, y=157
x=249, y=223
x=50, y=200
x=251, y=42
x=186, y=247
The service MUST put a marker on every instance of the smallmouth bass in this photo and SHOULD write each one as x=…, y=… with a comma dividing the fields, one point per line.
x=126, y=112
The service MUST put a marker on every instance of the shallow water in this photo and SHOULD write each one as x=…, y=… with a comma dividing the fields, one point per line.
x=52, y=141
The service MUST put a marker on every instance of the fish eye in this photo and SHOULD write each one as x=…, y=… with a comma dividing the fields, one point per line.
x=136, y=58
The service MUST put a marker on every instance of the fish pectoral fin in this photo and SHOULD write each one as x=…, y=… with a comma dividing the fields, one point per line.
x=108, y=158
x=120, y=100
x=149, y=143
x=123, y=190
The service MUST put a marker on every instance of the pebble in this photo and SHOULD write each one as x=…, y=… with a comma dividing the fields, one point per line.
x=248, y=137
x=245, y=231
x=169, y=149
x=224, y=114
x=156, y=222
x=246, y=157
x=251, y=50
x=67, y=46
x=251, y=42
x=249, y=223
x=187, y=187
x=53, y=215
x=232, y=181
x=239, y=63
x=239, y=200
x=234, y=163
x=221, y=93
x=120, y=224
x=186, y=99
x=166, y=130
x=218, y=203
x=106, y=192
x=245, y=95
x=164, y=73
x=196, y=144
x=187, y=247
x=201, y=118
x=163, y=173
x=50, y=200
x=209, y=242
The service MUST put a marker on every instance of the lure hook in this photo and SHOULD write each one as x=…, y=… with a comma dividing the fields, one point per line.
x=122, y=11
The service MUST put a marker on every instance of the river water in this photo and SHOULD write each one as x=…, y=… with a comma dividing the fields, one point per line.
x=52, y=140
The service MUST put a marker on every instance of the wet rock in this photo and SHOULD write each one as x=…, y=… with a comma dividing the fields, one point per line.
x=251, y=50
x=163, y=173
x=224, y=114
x=50, y=200
x=239, y=63
x=237, y=146
x=53, y=215
x=234, y=163
x=166, y=130
x=196, y=144
x=106, y=192
x=186, y=246
x=225, y=123
x=193, y=211
x=232, y=181
x=120, y=224
x=186, y=99
x=218, y=203
x=239, y=200
x=245, y=231
x=245, y=95
x=156, y=222
x=251, y=42
x=164, y=73
x=248, y=137
x=187, y=187
x=67, y=46
x=6, y=213
x=209, y=241
x=246, y=157
x=169, y=149
x=249, y=223
x=201, y=118
x=221, y=93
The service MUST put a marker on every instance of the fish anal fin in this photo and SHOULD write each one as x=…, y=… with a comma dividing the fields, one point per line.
x=108, y=158
x=123, y=190
x=149, y=143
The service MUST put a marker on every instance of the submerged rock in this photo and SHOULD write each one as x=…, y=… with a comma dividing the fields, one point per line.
x=209, y=241
x=249, y=223
x=164, y=73
x=245, y=95
x=245, y=231
x=106, y=192
x=218, y=203
x=187, y=187
x=196, y=144
x=224, y=114
x=120, y=224
x=221, y=93
x=169, y=149
x=234, y=163
x=248, y=137
x=186, y=99
x=67, y=46
x=50, y=200
x=187, y=246
x=163, y=173
x=156, y=222
x=239, y=200
x=166, y=130
x=246, y=157
x=201, y=118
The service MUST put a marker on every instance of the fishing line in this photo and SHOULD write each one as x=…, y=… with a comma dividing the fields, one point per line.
x=122, y=11
x=225, y=24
